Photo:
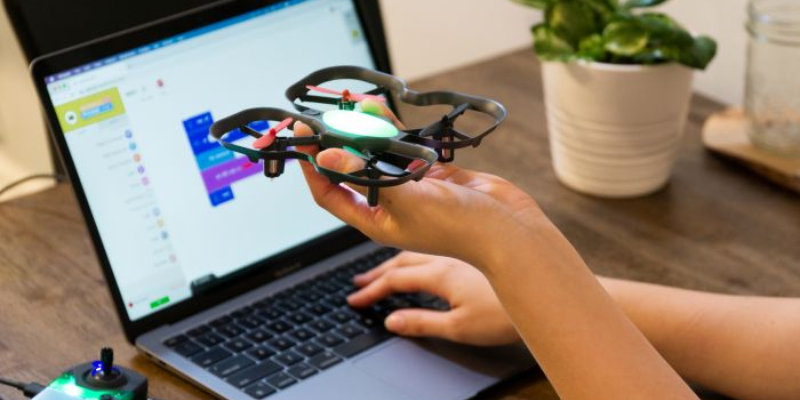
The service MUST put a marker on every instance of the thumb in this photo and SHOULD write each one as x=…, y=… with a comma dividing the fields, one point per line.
x=418, y=322
x=340, y=161
x=344, y=162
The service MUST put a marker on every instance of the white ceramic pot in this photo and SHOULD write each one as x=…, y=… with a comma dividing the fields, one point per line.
x=615, y=129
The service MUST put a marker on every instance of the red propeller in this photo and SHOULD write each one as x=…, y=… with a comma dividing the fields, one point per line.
x=346, y=94
x=267, y=140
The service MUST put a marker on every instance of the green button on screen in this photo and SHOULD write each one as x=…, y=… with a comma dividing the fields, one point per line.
x=160, y=302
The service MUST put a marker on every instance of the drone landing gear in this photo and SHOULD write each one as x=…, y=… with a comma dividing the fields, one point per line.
x=446, y=136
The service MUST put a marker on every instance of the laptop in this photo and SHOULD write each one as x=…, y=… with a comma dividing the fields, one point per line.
x=232, y=281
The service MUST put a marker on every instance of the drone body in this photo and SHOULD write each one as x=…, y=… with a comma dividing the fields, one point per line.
x=388, y=152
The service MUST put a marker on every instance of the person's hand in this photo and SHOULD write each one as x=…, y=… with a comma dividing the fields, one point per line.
x=475, y=316
x=453, y=212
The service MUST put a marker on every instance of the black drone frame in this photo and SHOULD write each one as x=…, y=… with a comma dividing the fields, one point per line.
x=383, y=156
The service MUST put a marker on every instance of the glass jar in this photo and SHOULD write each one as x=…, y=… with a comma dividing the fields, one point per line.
x=772, y=98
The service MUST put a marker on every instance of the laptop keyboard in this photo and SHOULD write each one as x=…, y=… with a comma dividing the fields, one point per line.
x=290, y=336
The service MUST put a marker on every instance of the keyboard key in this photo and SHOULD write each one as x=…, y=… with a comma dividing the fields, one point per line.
x=259, y=336
x=308, y=349
x=238, y=345
x=310, y=296
x=280, y=343
x=361, y=343
x=349, y=331
x=210, y=339
x=281, y=380
x=302, y=334
x=200, y=330
x=260, y=390
x=320, y=325
x=250, y=322
x=288, y=358
x=318, y=309
x=329, y=340
x=242, y=312
x=301, y=371
x=220, y=321
x=271, y=313
x=279, y=326
x=208, y=358
x=336, y=301
x=289, y=305
x=299, y=318
x=230, y=330
x=340, y=316
x=176, y=340
x=231, y=366
x=187, y=348
x=253, y=374
x=261, y=353
x=324, y=360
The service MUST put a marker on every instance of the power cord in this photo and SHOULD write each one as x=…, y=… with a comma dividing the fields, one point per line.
x=12, y=185
x=28, y=389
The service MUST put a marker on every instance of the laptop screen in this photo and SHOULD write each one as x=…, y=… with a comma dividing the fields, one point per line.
x=171, y=205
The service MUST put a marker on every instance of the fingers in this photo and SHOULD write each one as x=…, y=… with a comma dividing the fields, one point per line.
x=406, y=258
x=418, y=322
x=338, y=200
x=375, y=107
x=427, y=278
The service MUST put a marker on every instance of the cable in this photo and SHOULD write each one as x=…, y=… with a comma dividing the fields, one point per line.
x=28, y=389
x=56, y=177
x=10, y=382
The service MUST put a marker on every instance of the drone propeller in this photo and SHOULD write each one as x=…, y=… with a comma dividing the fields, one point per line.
x=381, y=166
x=267, y=140
x=448, y=119
x=346, y=94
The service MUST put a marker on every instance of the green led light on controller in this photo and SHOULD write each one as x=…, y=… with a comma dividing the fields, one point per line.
x=358, y=124
x=66, y=384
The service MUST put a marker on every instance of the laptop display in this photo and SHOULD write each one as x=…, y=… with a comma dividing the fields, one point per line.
x=172, y=206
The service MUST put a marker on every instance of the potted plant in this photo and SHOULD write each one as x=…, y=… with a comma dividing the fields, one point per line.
x=617, y=81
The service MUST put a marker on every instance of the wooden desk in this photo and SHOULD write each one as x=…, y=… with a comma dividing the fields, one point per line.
x=715, y=227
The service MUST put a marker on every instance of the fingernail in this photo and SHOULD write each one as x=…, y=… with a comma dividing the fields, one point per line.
x=394, y=323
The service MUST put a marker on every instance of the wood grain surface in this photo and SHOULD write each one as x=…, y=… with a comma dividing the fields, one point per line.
x=715, y=227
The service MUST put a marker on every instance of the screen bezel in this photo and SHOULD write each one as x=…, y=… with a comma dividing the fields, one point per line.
x=249, y=277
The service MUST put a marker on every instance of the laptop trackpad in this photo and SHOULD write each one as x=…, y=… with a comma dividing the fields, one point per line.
x=421, y=373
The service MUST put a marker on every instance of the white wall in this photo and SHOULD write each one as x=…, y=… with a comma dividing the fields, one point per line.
x=23, y=144
x=425, y=37
x=724, y=20
x=429, y=36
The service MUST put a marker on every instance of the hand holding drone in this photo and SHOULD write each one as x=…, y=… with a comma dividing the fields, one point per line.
x=389, y=153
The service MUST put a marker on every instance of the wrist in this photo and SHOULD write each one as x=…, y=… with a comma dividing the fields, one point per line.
x=516, y=242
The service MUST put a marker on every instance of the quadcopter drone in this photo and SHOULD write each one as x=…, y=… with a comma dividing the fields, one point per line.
x=389, y=153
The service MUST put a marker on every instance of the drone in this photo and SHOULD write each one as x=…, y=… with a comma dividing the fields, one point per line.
x=392, y=156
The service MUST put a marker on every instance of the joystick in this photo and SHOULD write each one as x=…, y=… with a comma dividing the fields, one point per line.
x=101, y=380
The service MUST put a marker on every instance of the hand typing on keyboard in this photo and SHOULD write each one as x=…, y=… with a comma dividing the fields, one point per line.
x=475, y=316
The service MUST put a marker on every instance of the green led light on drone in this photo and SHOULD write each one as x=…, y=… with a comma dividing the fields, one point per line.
x=67, y=385
x=355, y=123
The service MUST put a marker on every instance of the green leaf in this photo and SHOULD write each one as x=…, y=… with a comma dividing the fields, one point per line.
x=641, y=3
x=700, y=54
x=657, y=55
x=549, y=46
x=603, y=8
x=540, y=4
x=572, y=20
x=625, y=38
x=592, y=48
x=664, y=31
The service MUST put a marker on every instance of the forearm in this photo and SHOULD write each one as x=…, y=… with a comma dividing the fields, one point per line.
x=745, y=347
x=580, y=337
